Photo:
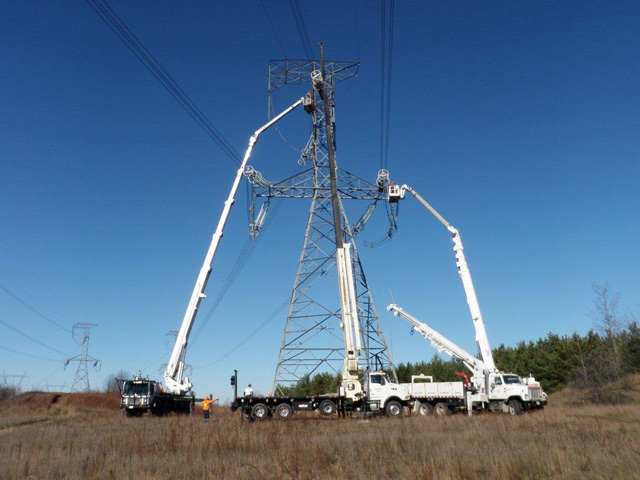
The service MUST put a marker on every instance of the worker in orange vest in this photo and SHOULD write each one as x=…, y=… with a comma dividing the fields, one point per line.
x=207, y=403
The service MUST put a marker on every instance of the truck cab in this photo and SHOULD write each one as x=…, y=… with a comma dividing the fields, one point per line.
x=142, y=395
x=510, y=393
x=138, y=395
x=385, y=395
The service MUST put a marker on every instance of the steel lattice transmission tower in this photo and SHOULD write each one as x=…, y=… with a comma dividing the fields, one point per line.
x=313, y=341
x=81, y=333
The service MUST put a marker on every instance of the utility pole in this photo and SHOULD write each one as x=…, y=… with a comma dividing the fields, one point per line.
x=312, y=341
x=81, y=332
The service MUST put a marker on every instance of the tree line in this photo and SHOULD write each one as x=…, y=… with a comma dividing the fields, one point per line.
x=608, y=352
x=555, y=361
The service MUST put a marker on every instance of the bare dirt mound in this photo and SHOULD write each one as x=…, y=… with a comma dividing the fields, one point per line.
x=46, y=400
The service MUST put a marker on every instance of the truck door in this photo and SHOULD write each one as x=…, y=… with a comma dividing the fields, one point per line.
x=497, y=388
x=376, y=385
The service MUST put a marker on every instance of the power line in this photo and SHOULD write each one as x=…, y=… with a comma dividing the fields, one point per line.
x=273, y=28
x=32, y=339
x=51, y=374
x=36, y=274
x=239, y=264
x=355, y=20
x=383, y=24
x=241, y=260
x=264, y=323
x=386, y=77
x=117, y=26
x=29, y=355
x=302, y=28
x=389, y=79
x=27, y=305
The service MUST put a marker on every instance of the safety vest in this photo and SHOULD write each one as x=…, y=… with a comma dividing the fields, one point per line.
x=206, y=404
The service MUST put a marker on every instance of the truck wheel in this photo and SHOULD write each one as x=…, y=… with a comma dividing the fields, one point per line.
x=441, y=409
x=284, y=411
x=515, y=407
x=260, y=411
x=327, y=408
x=393, y=409
x=424, y=409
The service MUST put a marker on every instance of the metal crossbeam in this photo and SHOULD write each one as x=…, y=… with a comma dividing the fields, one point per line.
x=304, y=185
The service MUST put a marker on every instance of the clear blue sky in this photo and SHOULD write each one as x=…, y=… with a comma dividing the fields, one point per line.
x=518, y=120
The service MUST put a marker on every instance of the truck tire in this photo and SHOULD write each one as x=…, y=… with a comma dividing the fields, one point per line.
x=441, y=409
x=393, y=408
x=515, y=407
x=284, y=411
x=327, y=408
x=423, y=409
x=260, y=411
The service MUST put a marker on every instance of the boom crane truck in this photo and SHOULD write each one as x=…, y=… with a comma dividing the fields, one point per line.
x=489, y=388
x=141, y=395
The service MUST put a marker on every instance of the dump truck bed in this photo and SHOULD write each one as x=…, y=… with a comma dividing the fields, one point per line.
x=435, y=389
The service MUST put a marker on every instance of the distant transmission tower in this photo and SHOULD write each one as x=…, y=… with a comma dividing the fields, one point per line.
x=54, y=388
x=312, y=339
x=81, y=332
x=14, y=381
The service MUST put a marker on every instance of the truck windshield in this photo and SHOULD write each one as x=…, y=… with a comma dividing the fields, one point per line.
x=511, y=379
x=135, y=389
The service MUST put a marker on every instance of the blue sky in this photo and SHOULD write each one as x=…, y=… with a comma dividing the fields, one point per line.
x=519, y=121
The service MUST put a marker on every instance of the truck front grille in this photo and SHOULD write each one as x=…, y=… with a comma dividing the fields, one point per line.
x=535, y=393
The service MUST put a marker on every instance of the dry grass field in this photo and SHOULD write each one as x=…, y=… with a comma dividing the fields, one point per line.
x=85, y=437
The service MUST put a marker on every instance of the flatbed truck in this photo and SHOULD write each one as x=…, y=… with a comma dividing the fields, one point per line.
x=380, y=395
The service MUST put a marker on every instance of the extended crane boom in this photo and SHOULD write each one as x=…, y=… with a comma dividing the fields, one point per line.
x=395, y=193
x=173, y=375
x=440, y=342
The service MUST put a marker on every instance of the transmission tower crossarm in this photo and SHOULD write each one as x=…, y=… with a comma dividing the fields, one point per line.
x=173, y=375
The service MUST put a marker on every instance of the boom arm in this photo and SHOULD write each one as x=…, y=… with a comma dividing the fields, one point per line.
x=173, y=375
x=465, y=275
x=440, y=343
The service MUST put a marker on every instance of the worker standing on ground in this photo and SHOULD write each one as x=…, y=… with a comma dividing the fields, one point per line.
x=248, y=392
x=207, y=403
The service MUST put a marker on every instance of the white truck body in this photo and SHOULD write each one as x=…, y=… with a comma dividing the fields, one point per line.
x=507, y=393
x=431, y=389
